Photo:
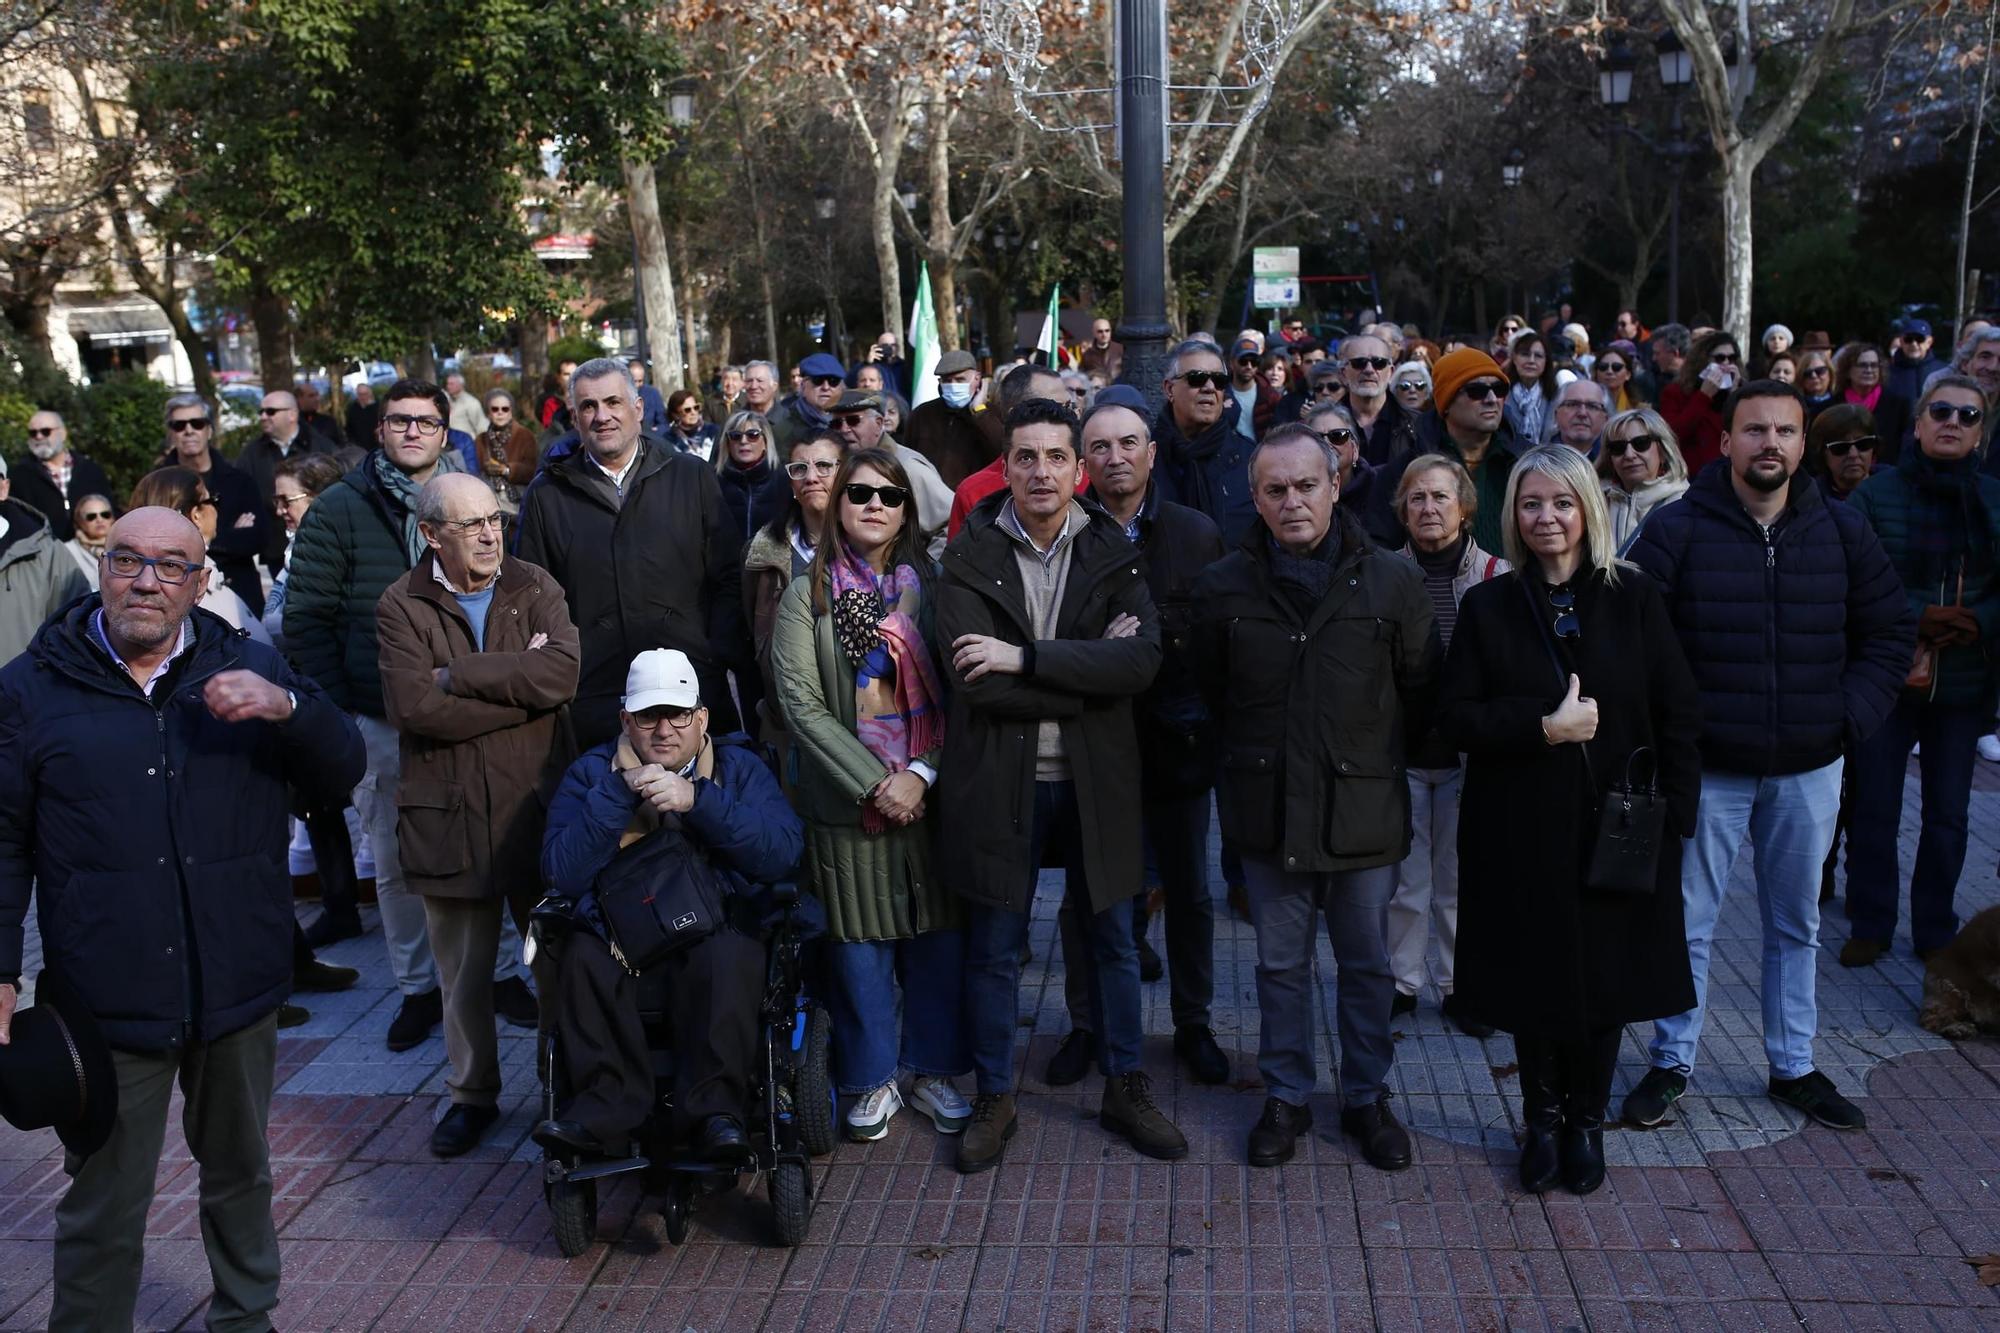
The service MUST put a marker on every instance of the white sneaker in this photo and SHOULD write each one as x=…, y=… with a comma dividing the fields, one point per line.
x=943, y=1103
x=868, y=1118
x=1989, y=748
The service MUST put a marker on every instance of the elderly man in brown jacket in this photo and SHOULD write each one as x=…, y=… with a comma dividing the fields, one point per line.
x=479, y=661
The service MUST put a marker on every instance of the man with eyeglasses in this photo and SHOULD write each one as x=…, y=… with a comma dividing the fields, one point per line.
x=1387, y=432
x=168, y=914
x=1470, y=393
x=1206, y=457
x=858, y=420
x=360, y=536
x=1911, y=360
x=1103, y=354
x=955, y=430
x=1800, y=635
x=244, y=529
x=637, y=534
x=821, y=379
x=478, y=659
x=1293, y=331
x=281, y=435
x=1583, y=408
x=37, y=576
x=55, y=476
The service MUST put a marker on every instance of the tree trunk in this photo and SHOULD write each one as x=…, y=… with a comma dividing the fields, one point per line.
x=656, y=274
x=273, y=320
x=944, y=279
x=1738, y=171
x=196, y=348
x=691, y=361
x=25, y=307
x=770, y=302
x=534, y=359
x=944, y=296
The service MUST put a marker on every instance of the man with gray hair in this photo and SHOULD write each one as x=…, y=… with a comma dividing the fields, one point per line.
x=1583, y=406
x=467, y=415
x=478, y=659
x=760, y=387
x=55, y=476
x=1205, y=459
x=1668, y=347
x=279, y=414
x=636, y=533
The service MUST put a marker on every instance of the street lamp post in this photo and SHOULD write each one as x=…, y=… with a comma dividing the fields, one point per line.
x=1614, y=89
x=825, y=207
x=1142, y=119
x=1512, y=168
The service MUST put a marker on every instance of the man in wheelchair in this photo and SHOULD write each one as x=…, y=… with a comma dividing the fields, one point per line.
x=663, y=779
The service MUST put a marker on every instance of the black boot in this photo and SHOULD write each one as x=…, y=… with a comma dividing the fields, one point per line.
x=1541, y=1114
x=1586, y=1068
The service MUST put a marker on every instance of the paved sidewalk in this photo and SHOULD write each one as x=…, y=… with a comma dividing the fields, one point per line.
x=1728, y=1217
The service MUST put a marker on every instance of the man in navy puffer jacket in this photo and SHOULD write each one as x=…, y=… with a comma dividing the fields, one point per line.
x=145, y=752
x=1799, y=635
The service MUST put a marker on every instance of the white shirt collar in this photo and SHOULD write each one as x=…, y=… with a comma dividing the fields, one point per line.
x=186, y=638
x=437, y=572
x=618, y=477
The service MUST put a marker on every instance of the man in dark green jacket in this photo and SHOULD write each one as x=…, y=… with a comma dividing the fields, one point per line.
x=359, y=537
x=1051, y=635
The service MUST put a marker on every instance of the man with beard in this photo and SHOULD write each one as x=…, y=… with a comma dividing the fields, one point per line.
x=56, y=476
x=1799, y=633
x=1207, y=459
x=1388, y=435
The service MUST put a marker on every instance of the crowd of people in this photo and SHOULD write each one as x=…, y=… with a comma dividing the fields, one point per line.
x=1490, y=653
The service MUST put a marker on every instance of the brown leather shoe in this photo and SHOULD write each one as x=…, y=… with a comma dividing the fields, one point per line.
x=1129, y=1111
x=985, y=1140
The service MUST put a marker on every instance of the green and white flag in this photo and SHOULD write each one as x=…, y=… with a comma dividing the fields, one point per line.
x=1051, y=343
x=923, y=342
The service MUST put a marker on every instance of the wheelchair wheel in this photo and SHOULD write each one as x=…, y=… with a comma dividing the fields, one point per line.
x=675, y=1213
x=791, y=1209
x=814, y=1093
x=573, y=1209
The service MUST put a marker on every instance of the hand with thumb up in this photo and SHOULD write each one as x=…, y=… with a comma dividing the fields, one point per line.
x=1575, y=718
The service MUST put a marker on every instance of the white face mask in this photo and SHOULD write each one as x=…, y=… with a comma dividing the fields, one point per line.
x=956, y=395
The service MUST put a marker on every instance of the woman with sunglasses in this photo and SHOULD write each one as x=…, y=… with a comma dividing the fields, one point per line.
x=754, y=489
x=508, y=454
x=1641, y=468
x=1816, y=380
x=1692, y=402
x=1505, y=332
x=185, y=491
x=686, y=431
x=1938, y=516
x=1562, y=676
x=1613, y=369
x=1842, y=446
x=1858, y=370
x=779, y=552
x=855, y=657
x=92, y=519
x=1531, y=401
x=1411, y=383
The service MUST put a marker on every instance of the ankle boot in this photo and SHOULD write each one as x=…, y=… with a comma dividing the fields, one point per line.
x=1582, y=1148
x=1541, y=1116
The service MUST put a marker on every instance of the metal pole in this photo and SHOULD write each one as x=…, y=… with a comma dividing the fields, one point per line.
x=1674, y=214
x=638, y=308
x=1142, y=115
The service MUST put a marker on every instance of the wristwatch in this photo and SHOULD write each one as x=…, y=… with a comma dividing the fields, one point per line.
x=295, y=705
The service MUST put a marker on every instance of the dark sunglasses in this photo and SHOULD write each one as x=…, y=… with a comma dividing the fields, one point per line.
x=1610, y=367
x=1567, y=626
x=1943, y=412
x=1480, y=390
x=859, y=494
x=271, y=411
x=851, y=420
x=1370, y=362
x=825, y=381
x=1840, y=447
x=187, y=424
x=41, y=432
x=1249, y=360
x=1204, y=379
x=1638, y=444
x=1814, y=372
x=1337, y=435
x=93, y=515
x=1412, y=386
x=1723, y=358
x=746, y=434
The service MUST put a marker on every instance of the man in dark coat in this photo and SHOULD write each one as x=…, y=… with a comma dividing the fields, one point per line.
x=1388, y=433
x=954, y=430
x=243, y=514
x=282, y=436
x=56, y=476
x=145, y=752
x=1052, y=634
x=1799, y=635
x=1319, y=656
x=360, y=536
x=1911, y=363
x=821, y=379
x=637, y=535
x=1176, y=750
x=363, y=412
x=1206, y=458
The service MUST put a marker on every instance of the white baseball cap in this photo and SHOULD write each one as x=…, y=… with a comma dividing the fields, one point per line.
x=661, y=678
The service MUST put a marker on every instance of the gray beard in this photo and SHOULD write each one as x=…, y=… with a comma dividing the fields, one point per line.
x=47, y=449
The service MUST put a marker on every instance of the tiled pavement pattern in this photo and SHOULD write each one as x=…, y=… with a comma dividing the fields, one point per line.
x=1731, y=1218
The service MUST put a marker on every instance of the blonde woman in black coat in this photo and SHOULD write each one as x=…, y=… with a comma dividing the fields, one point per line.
x=1558, y=672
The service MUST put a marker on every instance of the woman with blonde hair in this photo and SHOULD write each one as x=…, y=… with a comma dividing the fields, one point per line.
x=1565, y=677
x=1640, y=464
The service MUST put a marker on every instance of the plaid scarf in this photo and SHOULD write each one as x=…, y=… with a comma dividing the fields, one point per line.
x=1949, y=527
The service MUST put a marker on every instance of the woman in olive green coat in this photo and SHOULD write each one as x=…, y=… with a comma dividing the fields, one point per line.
x=854, y=658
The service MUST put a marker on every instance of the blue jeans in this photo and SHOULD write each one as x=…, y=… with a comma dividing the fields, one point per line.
x=1283, y=908
x=993, y=940
x=1950, y=737
x=869, y=1044
x=1176, y=859
x=1790, y=823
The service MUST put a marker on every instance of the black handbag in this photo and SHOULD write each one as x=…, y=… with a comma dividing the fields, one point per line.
x=1631, y=822
x=659, y=896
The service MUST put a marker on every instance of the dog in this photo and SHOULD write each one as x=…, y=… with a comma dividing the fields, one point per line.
x=1962, y=982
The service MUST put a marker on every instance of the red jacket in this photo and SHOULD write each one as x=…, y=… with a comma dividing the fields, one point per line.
x=978, y=486
x=1697, y=422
